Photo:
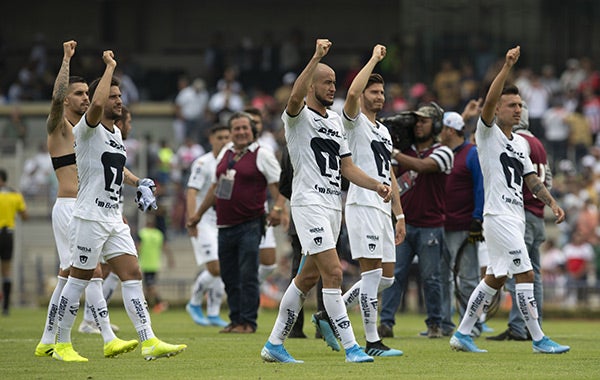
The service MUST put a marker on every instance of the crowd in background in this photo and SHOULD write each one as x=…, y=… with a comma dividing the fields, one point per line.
x=564, y=111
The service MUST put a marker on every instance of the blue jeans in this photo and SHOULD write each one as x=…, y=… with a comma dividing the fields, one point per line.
x=535, y=234
x=468, y=275
x=238, y=258
x=427, y=243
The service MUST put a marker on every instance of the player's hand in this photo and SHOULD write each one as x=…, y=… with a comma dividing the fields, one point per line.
x=148, y=182
x=472, y=109
x=400, y=231
x=379, y=52
x=191, y=224
x=384, y=192
x=69, y=49
x=559, y=213
x=476, y=231
x=512, y=56
x=322, y=47
x=145, y=198
x=109, y=58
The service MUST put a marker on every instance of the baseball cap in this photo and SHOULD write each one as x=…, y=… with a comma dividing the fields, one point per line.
x=427, y=111
x=454, y=120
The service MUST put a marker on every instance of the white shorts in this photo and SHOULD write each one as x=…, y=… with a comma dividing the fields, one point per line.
x=62, y=212
x=268, y=241
x=505, y=237
x=92, y=240
x=370, y=233
x=483, y=254
x=318, y=227
x=206, y=244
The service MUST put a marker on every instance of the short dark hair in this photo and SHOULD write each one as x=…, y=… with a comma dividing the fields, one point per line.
x=218, y=127
x=253, y=111
x=510, y=89
x=3, y=175
x=375, y=78
x=92, y=88
x=76, y=79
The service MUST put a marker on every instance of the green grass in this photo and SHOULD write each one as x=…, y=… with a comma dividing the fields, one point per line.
x=211, y=355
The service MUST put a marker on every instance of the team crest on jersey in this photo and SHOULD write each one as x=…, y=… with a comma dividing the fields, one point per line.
x=372, y=247
x=318, y=240
x=517, y=262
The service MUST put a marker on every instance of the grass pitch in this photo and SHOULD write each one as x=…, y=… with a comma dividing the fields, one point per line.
x=211, y=355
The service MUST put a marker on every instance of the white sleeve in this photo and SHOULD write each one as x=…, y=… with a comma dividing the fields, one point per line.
x=267, y=164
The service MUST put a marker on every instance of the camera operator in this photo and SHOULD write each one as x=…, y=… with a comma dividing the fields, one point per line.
x=422, y=171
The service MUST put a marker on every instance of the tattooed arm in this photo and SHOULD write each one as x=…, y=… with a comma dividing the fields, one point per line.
x=538, y=189
x=61, y=84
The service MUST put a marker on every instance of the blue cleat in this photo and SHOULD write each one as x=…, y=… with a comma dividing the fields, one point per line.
x=548, y=346
x=195, y=311
x=276, y=353
x=460, y=342
x=355, y=355
x=486, y=329
x=380, y=349
x=215, y=320
x=323, y=326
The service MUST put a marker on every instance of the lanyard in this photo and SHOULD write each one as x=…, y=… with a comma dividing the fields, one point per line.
x=238, y=156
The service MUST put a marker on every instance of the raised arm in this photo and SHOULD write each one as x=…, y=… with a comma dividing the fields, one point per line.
x=352, y=104
x=300, y=88
x=94, y=115
x=61, y=85
x=493, y=95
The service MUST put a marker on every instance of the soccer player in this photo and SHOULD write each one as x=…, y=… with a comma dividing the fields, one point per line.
x=320, y=156
x=205, y=243
x=505, y=164
x=372, y=243
x=97, y=228
x=70, y=101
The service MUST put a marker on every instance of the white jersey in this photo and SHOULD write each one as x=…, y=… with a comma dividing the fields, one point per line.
x=504, y=163
x=371, y=147
x=316, y=145
x=201, y=176
x=100, y=156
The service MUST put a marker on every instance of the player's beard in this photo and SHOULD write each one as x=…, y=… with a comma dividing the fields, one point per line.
x=324, y=102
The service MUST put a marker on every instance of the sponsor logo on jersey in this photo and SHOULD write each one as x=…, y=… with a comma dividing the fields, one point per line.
x=511, y=149
x=116, y=145
x=84, y=249
x=329, y=132
x=373, y=237
x=515, y=252
x=316, y=230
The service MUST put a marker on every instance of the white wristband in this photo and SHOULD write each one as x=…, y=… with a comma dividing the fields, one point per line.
x=401, y=216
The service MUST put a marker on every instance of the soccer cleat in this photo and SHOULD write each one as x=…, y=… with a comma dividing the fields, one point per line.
x=43, y=349
x=118, y=346
x=380, y=349
x=195, y=311
x=548, y=346
x=276, y=353
x=155, y=348
x=215, y=320
x=65, y=352
x=461, y=342
x=355, y=355
x=323, y=326
x=486, y=329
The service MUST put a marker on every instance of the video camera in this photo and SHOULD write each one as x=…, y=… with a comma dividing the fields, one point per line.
x=401, y=128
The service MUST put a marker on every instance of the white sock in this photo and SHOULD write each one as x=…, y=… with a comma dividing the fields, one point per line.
x=203, y=283
x=109, y=285
x=97, y=304
x=68, y=307
x=289, y=307
x=385, y=283
x=334, y=305
x=528, y=308
x=215, y=297
x=368, y=303
x=137, y=308
x=265, y=271
x=49, y=335
x=352, y=294
x=479, y=300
